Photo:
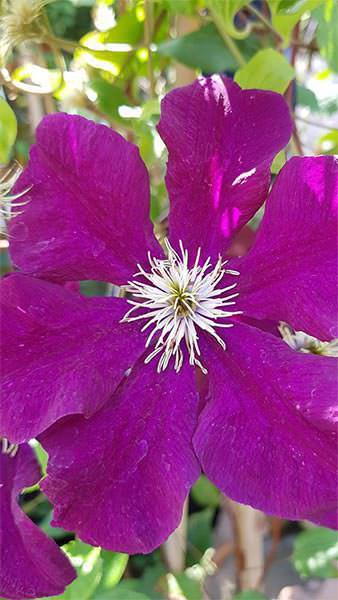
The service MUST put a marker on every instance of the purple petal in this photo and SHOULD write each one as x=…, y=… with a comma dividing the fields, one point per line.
x=87, y=212
x=62, y=353
x=32, y=565
x=221, y=141
x=119, y=479
x=268, y=436
x=291, y=272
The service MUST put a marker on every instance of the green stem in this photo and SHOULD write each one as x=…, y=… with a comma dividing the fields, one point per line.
x=148, y=32
x=236, y=53
x=266, y=22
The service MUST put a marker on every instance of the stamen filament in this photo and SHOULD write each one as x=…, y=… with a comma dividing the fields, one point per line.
x=176, y=301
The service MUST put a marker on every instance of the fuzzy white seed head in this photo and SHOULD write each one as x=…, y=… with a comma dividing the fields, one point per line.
x=176, y=301
x=19, y=22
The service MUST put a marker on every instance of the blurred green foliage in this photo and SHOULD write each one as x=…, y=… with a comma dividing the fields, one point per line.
x=316, y=553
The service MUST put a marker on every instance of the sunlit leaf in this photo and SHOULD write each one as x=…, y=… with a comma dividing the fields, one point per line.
x=8, y=130
x=46, y=79
x=328, y=143
x=327, y=32
x=109, y=50
x=88, y=564
x=114, y=565
x=291, y=7
x=315, y=553
x=128, y=28
x=278, y=162
x=267, y=70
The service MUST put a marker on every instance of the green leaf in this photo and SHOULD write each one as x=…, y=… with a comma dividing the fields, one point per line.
x=290, y=7
x=285, y=14
x=250, y=595
x=205, y=50
x=223, y=14
x=109, y=98
x=278, y=162
x=205, y=493
x=88, y=564
x=267, y=70
x=306, y=97
x=110, y=50
x=57, y=533
x=121, y=593
x=328, y=143
x=199, y=534
x=181, y=7
x=190, y=588
x=114, y=565
x=327, y=32
x=42, y=458
x=315, y=553
x=8, y=130
x=128, y=589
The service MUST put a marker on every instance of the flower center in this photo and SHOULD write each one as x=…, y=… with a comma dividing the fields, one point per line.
x=176, y=301
x=302, y=342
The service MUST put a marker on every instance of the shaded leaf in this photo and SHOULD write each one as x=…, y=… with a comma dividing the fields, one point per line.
x=205, y=50
x=199, y=534
x=205, y=493
x=306, y=97
x=250, y=595
x=109, y=98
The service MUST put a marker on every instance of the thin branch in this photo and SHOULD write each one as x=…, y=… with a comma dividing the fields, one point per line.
x=316, y=123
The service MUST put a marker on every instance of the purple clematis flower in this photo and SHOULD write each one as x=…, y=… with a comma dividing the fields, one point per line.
x=109, y=385
x=31, y=564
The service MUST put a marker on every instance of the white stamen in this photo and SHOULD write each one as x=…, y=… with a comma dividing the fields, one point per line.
x=177, y=301
x=303, y=342
x=8, y=448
